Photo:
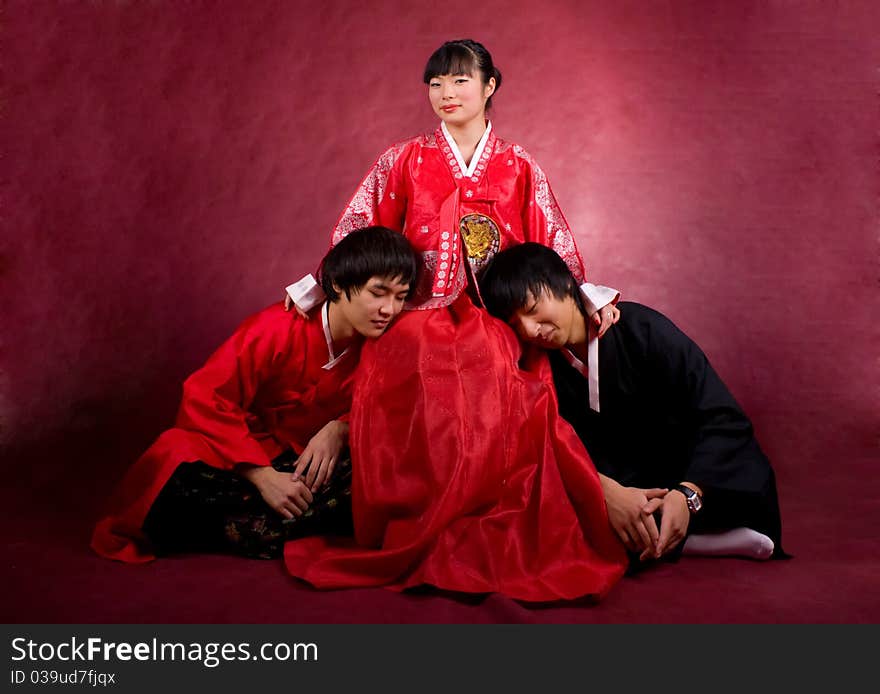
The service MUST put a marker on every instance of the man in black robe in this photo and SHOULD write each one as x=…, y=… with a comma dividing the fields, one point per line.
x=676, y=454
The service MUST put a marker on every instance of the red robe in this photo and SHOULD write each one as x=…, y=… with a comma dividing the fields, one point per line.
x=464, y=476
x=263, y=391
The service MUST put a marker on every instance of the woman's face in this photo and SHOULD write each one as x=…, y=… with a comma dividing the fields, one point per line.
x=460, y=99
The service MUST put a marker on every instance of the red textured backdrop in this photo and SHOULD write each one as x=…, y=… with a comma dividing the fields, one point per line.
x=170, y=166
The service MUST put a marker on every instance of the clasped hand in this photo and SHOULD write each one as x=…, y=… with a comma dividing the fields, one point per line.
x=631, y=514
x=291, y=494
x=316, y=463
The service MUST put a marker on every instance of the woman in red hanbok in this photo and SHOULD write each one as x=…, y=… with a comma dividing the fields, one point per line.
x=464, y=476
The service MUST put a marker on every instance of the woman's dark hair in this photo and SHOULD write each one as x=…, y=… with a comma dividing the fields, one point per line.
x=526, y=269
x=369, y=252
x=463, y=57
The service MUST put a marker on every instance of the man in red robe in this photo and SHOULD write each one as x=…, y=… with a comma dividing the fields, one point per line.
x=257, y=451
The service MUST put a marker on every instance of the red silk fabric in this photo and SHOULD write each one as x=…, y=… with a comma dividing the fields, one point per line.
x=465, y=477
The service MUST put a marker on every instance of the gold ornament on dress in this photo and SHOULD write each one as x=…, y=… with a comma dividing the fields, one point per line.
x=481, y=237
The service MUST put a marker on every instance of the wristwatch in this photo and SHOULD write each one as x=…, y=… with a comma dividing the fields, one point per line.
x=694, y=501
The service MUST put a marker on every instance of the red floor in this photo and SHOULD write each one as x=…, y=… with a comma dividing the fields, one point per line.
x=51, y=576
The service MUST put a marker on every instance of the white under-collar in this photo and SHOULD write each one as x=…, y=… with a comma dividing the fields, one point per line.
x=325, y=320
x=590, y=370
x=481, y=145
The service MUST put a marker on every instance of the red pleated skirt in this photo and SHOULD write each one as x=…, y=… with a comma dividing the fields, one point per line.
x=464, y=475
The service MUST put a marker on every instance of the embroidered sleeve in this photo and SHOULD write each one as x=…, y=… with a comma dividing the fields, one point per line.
x=380, y=198
x=376, y=201
x=543, y=221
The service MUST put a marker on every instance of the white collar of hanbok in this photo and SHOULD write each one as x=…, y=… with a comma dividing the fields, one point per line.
x=481, y=145
x=590, y=370
x=325, y=320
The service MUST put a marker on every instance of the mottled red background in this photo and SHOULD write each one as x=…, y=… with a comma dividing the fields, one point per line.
x=169, y=166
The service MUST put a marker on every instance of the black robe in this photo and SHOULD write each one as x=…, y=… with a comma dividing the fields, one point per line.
x=666, y=417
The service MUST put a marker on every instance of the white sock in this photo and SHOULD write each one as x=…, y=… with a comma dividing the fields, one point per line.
x=739, y=542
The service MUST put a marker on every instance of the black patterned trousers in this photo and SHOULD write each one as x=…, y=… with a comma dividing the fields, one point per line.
x=205, y=509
